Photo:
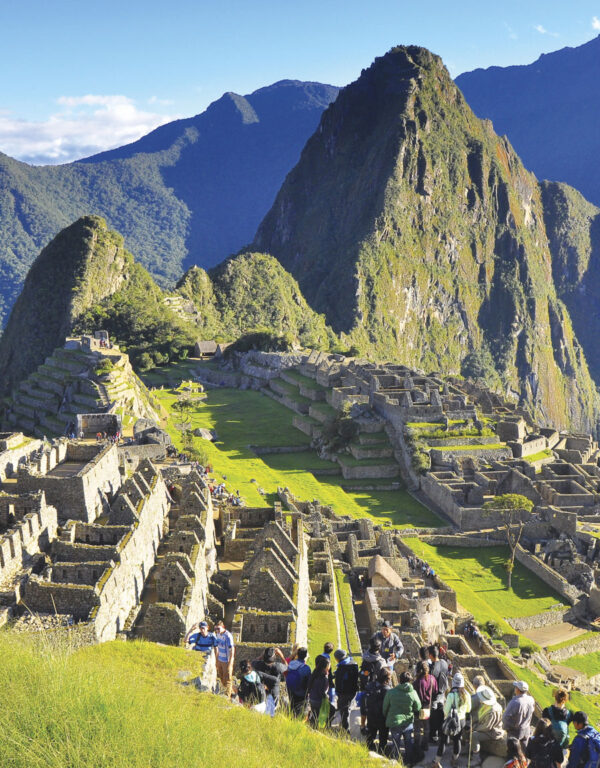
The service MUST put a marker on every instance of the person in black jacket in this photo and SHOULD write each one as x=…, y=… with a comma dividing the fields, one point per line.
x=250, y=691
x=346, y=684
x=439, y=670
x=271, y=669
x=543, y=750
x=373, y=698
x=372, y=663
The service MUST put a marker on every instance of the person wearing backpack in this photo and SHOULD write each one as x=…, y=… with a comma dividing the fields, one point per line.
x=374, y=696
x=559, y=717
x=320, y=712
x=456, y=709
x=426, y=687
x=439, y=670
x=371, y=665
x=346, y=684
x=400, y=706
x=251, y=691
x=543, y=750
x=298, y=674
x=271, y=671
x=585, y=749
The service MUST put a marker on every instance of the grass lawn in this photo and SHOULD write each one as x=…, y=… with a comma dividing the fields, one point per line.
x=242, y=418
x=305, y=381
x=539, y=455
x=479, y=578
x=588, y=664
x=347, y=618
x=322, y=628
x=123, y=705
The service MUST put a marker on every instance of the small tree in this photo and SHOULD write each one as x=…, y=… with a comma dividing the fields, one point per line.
x=512, y=508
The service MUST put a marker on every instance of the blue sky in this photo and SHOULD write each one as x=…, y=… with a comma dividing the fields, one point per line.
x=84, y=75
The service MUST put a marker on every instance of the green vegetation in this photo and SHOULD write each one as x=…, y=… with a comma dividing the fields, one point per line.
x=547, y=454
x=245, y=418
x=124, y=705
x=588, y=664
x=322, y=628
x=347, y=617
x=478, y=578
x=512, y=509
x=572, y=641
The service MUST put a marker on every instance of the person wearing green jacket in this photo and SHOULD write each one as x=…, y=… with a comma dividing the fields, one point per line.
x=400, y=707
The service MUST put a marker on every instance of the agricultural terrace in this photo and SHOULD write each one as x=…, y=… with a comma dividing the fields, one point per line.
x=246, y=421
x=479, y=578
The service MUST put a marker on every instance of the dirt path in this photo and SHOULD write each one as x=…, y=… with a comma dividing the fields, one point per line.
x=553, y=634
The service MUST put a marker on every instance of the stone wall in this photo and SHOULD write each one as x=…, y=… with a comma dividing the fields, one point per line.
x=10, y=458
x=544, y=619
x=589, y=645
x=31, y=525
x=570, y=593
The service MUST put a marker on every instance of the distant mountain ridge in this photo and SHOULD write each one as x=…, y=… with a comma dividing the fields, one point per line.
x=190, y=192
x=550, y=111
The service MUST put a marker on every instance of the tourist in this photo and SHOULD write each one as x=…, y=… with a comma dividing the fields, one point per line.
x=372, y=663
x=439, y=670
x=426, y=687
x=400, y=706
x=373, y=705
x=316, y=691
x=487, y=734
x=391, y=646
x=559, y=717
x=477, y=682
x=456, y=709
x=296, y=680
x=327, y=651
x=518, y=713
x=543, y=750
x=271, y=668
x=200, y=639
x=514, y=753
x=346, y=684
x=585, y=749
x=251, y=691
x=224, y=654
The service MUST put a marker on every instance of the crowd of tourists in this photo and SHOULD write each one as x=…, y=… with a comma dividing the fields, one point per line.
x=403, y=715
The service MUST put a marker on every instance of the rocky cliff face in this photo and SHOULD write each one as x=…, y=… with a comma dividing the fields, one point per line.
x=420, y=235
x=83, y=264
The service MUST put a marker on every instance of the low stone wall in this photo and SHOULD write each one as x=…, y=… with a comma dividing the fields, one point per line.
x=589, y=645
x=9, y=459
x=554, y=580
x=544, y=619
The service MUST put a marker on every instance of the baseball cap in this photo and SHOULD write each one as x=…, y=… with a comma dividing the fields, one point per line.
x=203, y=624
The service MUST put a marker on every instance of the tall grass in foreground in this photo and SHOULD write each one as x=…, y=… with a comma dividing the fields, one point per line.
x=123, y=704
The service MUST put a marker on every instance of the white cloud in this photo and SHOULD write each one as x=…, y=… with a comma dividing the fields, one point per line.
x=596, y=23
x=82, y=126
x=511, y=32
x=543, y=31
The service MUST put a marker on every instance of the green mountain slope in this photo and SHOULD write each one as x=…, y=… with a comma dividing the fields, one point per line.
x=190, y=192
x=249, y=292
x=420, y=235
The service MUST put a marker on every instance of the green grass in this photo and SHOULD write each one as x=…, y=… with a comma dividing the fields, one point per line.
x=349, y=461
x=588, y=664
x=567, y=643
x=479, y=578
x=123, y=705
x=244, y=418
x=539, y=455
x=322, y=628
x=307, y=382
x=347, y=610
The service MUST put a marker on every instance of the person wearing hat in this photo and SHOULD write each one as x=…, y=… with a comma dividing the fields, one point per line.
x=458, y=699
x=346, y=684
x=200, y=639
x=271, y=669
x=391, y=645
x=487, y=734
x=518, y=713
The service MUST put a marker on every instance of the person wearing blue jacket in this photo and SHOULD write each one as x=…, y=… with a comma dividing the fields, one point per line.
x=298, y=675
x=585, y=749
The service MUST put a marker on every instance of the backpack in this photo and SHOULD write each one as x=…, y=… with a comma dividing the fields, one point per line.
x=368, y=671
x=296, y=681
x=544, y=755
x=346, y=679
x=255, y=691
x=593, y=745
x=560, y=729
x=374, y=703
x=451, y=725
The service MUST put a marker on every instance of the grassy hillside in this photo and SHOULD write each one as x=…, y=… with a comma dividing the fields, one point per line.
x=123, y=705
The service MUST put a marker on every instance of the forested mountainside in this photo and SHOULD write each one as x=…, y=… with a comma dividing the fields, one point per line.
x=550, y=111
x=190, y=192
x=419, y=234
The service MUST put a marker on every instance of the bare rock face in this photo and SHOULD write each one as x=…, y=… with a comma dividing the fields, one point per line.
x=81, y=266
x=419, y=234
